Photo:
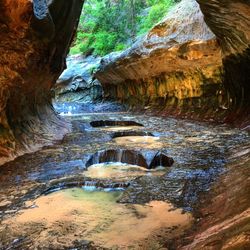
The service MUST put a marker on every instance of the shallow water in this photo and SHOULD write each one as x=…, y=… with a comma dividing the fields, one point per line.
x=120, y=171
x=149, y=142
x=201, y=152
x=97, y=217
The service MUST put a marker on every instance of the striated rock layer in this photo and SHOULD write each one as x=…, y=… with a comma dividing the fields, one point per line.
x=230, y=22
x=176, y=67
x=76, y=83
x=35, y=37
x=224, y=212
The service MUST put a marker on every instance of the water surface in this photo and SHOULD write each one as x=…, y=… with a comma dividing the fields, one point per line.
x=64, y=216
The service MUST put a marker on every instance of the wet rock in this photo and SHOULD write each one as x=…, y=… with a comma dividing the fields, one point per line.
x=112, y=155
x=77, y=84
x=83, y=245
x=230, y=22
x=106, y=123
x=200, y=152
x=57, y=170
x=4, y=203
x=161, y=159
x=224, y=213
x=148, y=188
x=131, y=133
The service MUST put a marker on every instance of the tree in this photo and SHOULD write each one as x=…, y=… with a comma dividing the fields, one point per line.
x=110, y=25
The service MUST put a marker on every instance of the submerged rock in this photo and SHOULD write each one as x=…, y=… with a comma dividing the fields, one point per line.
x=77, y=84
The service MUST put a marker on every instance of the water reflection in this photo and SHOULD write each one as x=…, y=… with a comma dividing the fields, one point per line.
x=120, y=171
x=150, y=142
x=64, y=216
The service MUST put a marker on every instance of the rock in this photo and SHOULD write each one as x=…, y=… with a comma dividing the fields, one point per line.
x=177, y=66
x=105, y=123
x=35, y=39
x=5, y=203
x=230, y=22
x=161, y=159
x=144, y=158
x=76, y=84
x=131, y=133
x=118, y=155
x=224, y=213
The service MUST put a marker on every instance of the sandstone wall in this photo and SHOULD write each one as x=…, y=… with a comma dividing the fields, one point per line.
x=178, y=66
x=35, y=37
x=230, y=22
x=76, y=83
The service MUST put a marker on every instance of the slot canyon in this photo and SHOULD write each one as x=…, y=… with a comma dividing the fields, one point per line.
x=143, y=148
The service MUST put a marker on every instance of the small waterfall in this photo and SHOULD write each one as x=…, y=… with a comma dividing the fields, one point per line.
x=120, y=155
x=90, y=183
x=148, y=159
x=161, y=162
x=93, y=185
x=160, y=159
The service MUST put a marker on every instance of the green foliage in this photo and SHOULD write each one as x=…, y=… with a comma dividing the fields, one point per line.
x=104, y=42
x=112, y=25
x=157, y=11
x=120, y=46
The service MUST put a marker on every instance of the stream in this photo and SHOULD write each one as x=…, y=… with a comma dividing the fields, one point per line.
x=119, y=180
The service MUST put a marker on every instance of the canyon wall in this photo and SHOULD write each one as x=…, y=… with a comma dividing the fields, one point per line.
x=230, y=22
x=178, y=68
x=35, y=38
x=76, y=83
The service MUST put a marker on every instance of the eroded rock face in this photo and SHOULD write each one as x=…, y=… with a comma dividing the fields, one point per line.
x=225, y=212
x=230, y=22
x=176, y=67
x=77, y=84
x=35, y=37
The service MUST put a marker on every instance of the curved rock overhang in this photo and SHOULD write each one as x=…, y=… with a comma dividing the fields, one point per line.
x=230, y=22
x=178, y=67
x=35, y=39
x=175, y=69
